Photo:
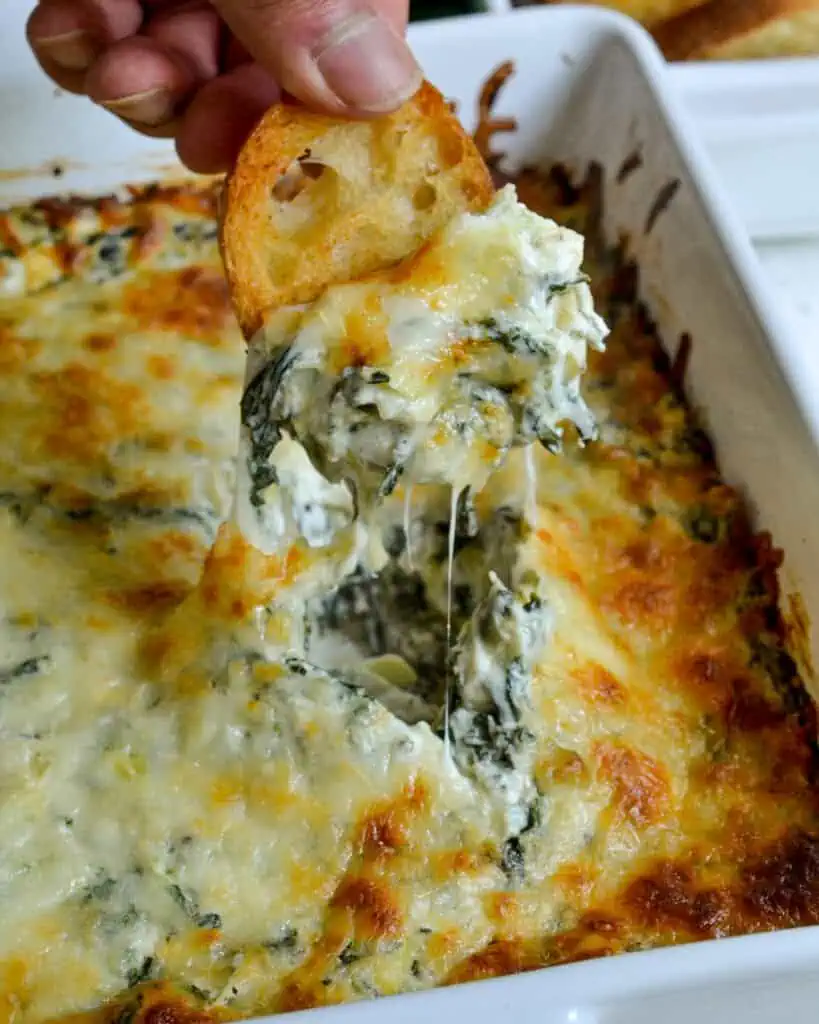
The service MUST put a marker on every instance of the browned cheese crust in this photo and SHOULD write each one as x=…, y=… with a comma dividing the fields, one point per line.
x=735, y=29
x=725, y=29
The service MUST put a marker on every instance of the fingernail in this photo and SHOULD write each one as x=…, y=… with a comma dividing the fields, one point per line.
x=367, y=65
x=74, y=51
x=153, y=107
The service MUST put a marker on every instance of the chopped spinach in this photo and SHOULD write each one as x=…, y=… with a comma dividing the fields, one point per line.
x=550, y=440
x=127, y=918
x=183, y=900
x=188, y=903
x=463, y=601
x=197, y=232
x=783, y=672
x=513, y=855
x=466, y=531
x=119, y=512
x=511, y=337
x=19, y=505
x=389, y=613
x=365, y=988
x=395, y=541
x=209, y=921
x=704, y=526
x=287, y=940
x=491, y=673
x=391, y=478
x=110, y=252
x=199, y=993
x=692, y=440
x=100, y=891
x=512, y=860
x=142, y=972
x=534, y=404
x=262, y=419
x=350, y=954
x=28, y=667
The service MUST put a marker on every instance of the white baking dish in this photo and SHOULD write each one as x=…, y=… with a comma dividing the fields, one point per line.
x=589, y=86
x=755, y=118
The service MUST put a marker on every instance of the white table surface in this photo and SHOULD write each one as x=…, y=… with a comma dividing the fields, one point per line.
x=794, y=271
x=759, y=124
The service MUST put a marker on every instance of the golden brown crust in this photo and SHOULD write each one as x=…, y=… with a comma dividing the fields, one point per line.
x=315, y=200
x=739, y=28
x=647, y=12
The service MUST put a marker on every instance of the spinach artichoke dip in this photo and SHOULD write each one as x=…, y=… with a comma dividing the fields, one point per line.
x=477, y=673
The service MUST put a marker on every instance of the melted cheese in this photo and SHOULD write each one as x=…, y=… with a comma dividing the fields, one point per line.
x=196, y=825
x=475, y=343
x=432, y=370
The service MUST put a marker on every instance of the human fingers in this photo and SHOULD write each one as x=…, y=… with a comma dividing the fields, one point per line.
x=66, y=36
x=344, y=56
x=142, y=82
x=221, y=116
x=194, y=31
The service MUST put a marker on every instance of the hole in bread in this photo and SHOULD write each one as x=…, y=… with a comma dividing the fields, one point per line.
x=296, y=177
x=289, y=185
x=311, y=169
x=424, y=197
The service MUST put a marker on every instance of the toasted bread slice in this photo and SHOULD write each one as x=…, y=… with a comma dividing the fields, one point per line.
x=316, y=200
x=742, y=29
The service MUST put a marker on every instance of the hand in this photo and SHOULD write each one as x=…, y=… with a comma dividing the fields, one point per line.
x=203, y=72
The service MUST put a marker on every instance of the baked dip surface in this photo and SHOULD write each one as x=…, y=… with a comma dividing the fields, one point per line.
x=189, y=831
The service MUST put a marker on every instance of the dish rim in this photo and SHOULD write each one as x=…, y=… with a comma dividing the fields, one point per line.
x=637, y=975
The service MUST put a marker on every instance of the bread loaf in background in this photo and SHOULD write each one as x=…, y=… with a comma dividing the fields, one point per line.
x=741, y=29
x=649, y=12
x=726, y=29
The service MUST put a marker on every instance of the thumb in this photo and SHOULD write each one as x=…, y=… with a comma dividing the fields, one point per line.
x=343, y=56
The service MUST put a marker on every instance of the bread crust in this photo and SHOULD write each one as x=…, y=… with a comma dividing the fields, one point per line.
x=727, y=28
x=315, y=200
x=647, y=12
